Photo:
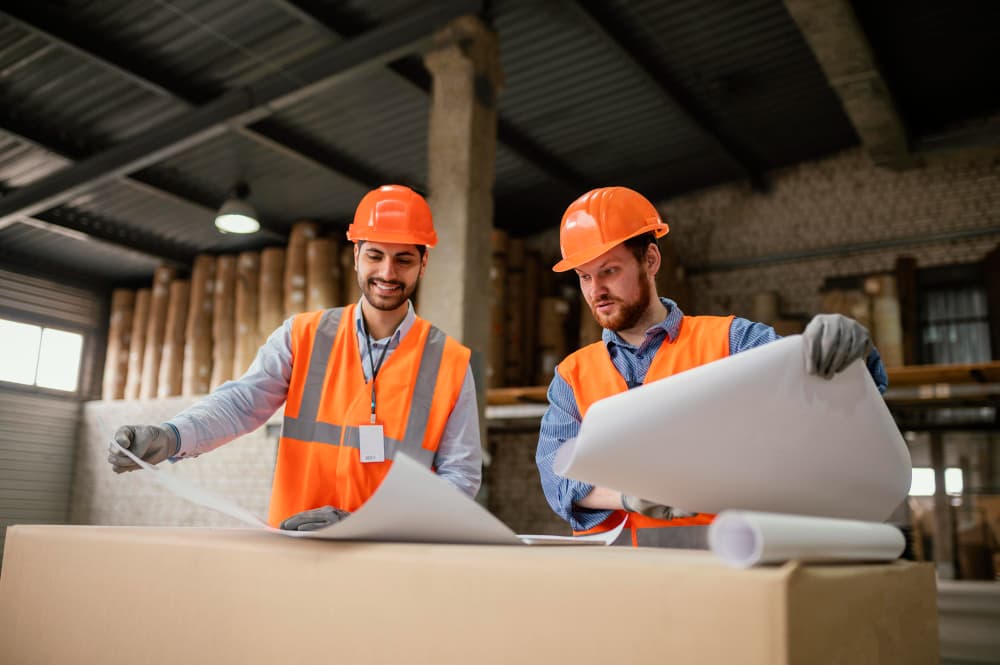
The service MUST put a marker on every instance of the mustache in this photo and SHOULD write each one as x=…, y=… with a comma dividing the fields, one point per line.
x=371, y=282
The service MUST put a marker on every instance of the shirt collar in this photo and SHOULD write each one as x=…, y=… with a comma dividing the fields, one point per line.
x=670, y=326
x=394, y=338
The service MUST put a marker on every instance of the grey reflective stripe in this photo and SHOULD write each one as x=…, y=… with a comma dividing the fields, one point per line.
x=678, y=537
x=306, y=427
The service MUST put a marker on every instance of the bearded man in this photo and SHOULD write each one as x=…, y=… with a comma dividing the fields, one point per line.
x=360, y=385
x=608, y=236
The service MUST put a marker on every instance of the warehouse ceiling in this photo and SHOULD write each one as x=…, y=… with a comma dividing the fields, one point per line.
x=125, y=123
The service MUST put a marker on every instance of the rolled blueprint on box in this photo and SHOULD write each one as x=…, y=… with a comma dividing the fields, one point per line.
x=744, y=538
x=752, y=431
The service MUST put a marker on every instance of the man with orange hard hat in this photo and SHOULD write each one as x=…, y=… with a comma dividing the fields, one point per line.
x=361, y=384
x=608, y=236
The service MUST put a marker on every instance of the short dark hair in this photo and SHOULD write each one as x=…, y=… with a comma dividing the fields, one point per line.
x=421, y=249
x=639, y=244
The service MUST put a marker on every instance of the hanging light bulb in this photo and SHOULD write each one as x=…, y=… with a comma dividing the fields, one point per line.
x=236, y=215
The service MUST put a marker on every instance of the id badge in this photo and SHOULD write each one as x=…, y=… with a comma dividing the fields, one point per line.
x=372, y=443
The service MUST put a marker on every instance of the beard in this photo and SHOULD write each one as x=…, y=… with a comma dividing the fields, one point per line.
x=629, y=311
x=389, y=302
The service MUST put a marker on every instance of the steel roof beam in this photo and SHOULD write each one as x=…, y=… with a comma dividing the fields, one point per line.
x=604, y=22
x=151, y=181
x=834, y=34
x=134, y=66
x=339, y=25
x=239, y=107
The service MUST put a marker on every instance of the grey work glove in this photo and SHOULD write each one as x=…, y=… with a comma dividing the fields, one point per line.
x=634, y=504
x=832, y=342
x=317, y=518
x=149, y=443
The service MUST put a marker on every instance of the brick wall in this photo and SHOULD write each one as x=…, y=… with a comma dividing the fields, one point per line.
x=240, y=470
x=838, y=202
x=514, y=488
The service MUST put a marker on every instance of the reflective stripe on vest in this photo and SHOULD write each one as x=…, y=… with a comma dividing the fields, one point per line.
x=306, y=427
x=676, y=537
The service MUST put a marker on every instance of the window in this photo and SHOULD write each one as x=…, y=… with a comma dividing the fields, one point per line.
x=954, y=316
x=923, y=481
x=38, y=356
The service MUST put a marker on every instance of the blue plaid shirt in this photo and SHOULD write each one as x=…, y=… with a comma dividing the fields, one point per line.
x=562, y=419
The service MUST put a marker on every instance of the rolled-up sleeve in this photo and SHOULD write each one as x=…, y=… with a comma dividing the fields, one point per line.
x=561, y=423
x=459, y=458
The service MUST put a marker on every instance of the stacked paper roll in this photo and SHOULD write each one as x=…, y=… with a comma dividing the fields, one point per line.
x=137, y=343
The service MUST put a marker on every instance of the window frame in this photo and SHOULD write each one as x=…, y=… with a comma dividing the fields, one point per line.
x=55, y=324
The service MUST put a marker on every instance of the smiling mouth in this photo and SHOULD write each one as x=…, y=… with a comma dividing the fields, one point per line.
x=386, y=287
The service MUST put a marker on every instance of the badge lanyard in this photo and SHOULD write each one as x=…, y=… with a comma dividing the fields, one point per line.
x=371, y=361
x=371, y=440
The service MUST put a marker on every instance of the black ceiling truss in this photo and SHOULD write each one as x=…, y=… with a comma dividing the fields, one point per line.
x=136, y=67
x=113, y=232
x=237, y=107
x=340, y=24
x=73, y=148
x=605, y=22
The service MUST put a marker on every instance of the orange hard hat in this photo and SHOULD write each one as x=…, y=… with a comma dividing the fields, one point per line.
x=393, y=213
x=601, y=219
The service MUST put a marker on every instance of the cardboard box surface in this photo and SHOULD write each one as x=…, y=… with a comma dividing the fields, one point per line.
x=75, y=594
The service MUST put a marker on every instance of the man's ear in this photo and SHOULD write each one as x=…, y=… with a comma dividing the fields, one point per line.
x=423, y=261
x=653, y=258
x=357, y=251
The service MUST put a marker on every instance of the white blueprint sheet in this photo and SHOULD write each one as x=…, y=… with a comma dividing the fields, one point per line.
x=750, y=432
x=412, y=505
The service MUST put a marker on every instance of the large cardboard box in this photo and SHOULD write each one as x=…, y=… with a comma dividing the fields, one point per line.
x=76, y=594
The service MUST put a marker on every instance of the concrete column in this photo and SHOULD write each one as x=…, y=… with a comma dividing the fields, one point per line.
x=462, y=142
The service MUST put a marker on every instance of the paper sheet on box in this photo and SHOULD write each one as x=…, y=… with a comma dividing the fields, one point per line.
x=751, y=432
x=412, y=505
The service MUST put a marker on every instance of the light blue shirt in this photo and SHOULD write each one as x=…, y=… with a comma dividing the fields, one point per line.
x=561, y=421
x=238, y=407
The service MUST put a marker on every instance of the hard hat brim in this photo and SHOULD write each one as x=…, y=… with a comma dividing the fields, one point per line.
x=659, y=228
x=395, y=238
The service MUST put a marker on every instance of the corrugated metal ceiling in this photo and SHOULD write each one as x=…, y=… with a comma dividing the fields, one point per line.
x=584, y=102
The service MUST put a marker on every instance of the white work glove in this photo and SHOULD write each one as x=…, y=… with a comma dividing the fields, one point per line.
x=317, y=518
x=634, y=504
x=149, y=443
x=832, y=342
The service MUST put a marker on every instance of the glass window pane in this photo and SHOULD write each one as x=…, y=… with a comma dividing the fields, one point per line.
x=59, y=359
x=18, y=351
x=923, y=482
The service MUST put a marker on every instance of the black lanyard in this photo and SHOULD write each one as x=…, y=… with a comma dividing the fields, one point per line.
x=371, y=360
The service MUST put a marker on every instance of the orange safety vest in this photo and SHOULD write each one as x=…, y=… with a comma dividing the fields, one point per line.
x=319, y=453
x=592, y=376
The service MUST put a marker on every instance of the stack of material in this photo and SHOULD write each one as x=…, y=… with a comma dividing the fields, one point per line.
x=323, y=286
x=552, y=347
x=248, y=280
x=119, y=336
x=137, y=343
x=172, y=360
x=156, y=329
x=351, y=291
x=514, y=292
x=590, y=329
x=887, y=327
x=223, y=320
x=876, y=308
x=495, y=362
x=272, y=310
x=198, y=331
x=295, y=267
x=529, y=319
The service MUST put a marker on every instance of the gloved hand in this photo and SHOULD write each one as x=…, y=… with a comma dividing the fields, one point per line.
x=634, y=504
x=149, y=443
x=832, y=342
x=317, y=518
